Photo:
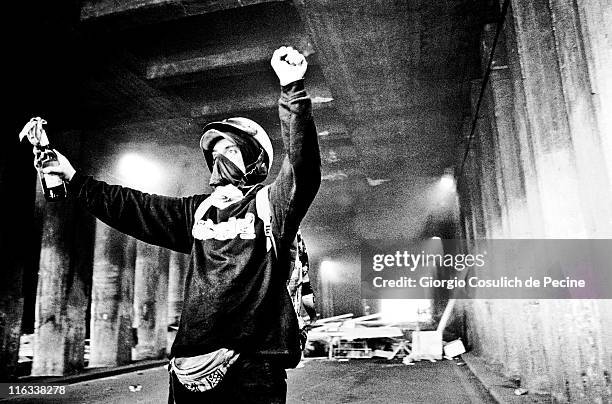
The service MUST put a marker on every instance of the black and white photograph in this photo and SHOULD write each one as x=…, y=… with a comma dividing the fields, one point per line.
x=306, y=201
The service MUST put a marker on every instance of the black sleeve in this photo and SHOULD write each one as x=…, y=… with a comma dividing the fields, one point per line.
x=300, y=176
x=154, y=219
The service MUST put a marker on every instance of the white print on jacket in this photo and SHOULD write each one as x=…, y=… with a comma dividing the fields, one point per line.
x=206, y=229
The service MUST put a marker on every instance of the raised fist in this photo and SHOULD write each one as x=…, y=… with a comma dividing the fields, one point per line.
x=288, y=64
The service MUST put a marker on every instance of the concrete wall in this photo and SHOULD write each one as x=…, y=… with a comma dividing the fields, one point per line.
x=539, y=167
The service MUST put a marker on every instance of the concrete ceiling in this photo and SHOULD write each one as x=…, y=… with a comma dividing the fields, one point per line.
x=390, y=82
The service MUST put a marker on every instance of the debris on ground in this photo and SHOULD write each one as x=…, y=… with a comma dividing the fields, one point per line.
x=454, y=348
x=520, y=391
x=408, y=361
x=344, y=337
x=135, y=387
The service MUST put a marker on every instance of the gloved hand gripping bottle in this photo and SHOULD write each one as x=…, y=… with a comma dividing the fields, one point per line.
x=52, y=185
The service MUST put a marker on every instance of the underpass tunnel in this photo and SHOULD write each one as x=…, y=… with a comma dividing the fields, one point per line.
x=450, y=123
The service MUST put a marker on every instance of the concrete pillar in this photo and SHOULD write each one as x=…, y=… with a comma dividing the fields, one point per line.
x=11, y=311
x=469, y=186
x=545, y=110
x=523, y=129
x=151, y=301
x=484, y=148
x=499, y=106
x=64, y=282
x=555, y=160
x=593, y=26
x=176, y=284
x=595, y=186
x=17, y=203
x=112, y=298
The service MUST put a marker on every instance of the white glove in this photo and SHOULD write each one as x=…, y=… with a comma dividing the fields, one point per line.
x=288, y=64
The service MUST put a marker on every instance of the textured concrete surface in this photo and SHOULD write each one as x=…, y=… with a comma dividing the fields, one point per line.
x=538, y=169
x=318, y=381
x=499, y=387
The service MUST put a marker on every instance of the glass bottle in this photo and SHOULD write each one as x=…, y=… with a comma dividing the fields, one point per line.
x=53, y=186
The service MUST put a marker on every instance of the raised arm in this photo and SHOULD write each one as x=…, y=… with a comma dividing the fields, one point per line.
x=155, y=219
x=300, y=176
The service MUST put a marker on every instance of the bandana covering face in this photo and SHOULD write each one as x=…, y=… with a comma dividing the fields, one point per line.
x=225, y=172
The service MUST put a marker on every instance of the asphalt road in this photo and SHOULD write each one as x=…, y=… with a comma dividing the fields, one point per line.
x=319, y=381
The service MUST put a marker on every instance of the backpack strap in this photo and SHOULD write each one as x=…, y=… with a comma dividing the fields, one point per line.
x=262, y=205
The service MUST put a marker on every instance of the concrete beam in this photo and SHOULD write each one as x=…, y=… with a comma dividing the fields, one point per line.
x=158, y=10
x=230, y=60
x=263, y=100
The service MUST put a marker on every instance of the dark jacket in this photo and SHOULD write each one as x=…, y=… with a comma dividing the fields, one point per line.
x=235, y=293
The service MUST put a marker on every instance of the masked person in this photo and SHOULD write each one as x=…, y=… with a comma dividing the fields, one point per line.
x=299, y=287
x=238, y=331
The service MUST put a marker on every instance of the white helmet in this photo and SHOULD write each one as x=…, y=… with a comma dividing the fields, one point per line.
x=238, y=125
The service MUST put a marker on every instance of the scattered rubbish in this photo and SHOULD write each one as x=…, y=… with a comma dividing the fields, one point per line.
x=408, y=361
x=454, y=348
x=376, y=182
x=520, y=391
x=135, y=387
x=352, y=350
x=460, y=363
x=384, y=354
x=426, y=345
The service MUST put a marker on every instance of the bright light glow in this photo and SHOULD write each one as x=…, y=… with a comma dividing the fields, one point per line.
x=139, y=172
x=435, y=238
x=328, y=271
x=447, y=183
x=405, y=310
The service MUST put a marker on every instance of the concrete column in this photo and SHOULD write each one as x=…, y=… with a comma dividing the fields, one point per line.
x=112, y=299
x=64, y=283
x=176, y=285
x=595, y=186
x=555, y=160
x=554, y=98
x=484, y=147
x=523, y=128
x=11, y=311
x=17, y=188
x=151, y=301
x=469, y=186
x=593, y=26
x=500, y=106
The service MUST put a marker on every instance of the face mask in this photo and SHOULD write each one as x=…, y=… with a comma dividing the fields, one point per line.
x=225, y=172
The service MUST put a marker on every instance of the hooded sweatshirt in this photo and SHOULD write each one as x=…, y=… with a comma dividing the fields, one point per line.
x=235, y=289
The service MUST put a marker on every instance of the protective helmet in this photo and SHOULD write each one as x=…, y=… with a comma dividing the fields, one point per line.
x=238, y=126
